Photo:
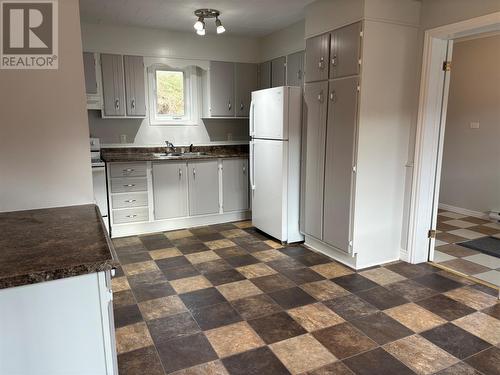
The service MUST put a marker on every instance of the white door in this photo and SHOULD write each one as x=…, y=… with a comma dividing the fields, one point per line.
x=269, y=170
x=269, y=114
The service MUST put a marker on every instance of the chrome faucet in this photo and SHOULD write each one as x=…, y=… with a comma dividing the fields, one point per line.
x=170, y=145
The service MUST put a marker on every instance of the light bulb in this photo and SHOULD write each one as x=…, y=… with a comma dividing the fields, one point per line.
x=201, y=32
x=220, y=28
x=199, y=25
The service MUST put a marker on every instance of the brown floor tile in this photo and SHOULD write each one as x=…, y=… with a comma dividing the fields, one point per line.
x=315, y=316
x=302, y=275
x=176, y=234
x=455, y=277
x=379, y=359
x=123, y=298
x=486, y=289
x=272, y=283
x=302, y=353
x=411, y=290
x=269, y=255
x=382, y=298
x=324, y=290
x=351, y=307
x=155, y=241
x=190, y=245
x=493, y=311
x=127, y=315
x=206, y=229
x=382, y=276
x=229, y=252
x=213, y=266
x=481, y=325
x=445, y=307
x=472, y=297
x=296, y=251
x=243, y=224
x=202, y=298
x=332, y=270
x=256, y=306
x=292, y=297
x=408, y=270
x=336, y=368
x=259, y=361
x=204, y=256
x=276, y=327
x=190, y=284
x=354, y=283
x=210, y=237
x=233, y=233
x=464, y=266
x=487, y=362
x=242, y=260
x=172, y=327
x=215, y=316
x=437, y=282
x=415, y=317
x=381, y=328
x=285, y=264
x=137, y=268
x=185, y=352
x=253, y=246
x=165, y=253
x=180, y=272
x=219, y=244
x=134, y=257
x=132, y=337
x=313, y=259
x=460, y=368
x=151, y=285
x=139, y=362
x=161, y=307
x=233, y=339
x=343, y=340
x=420, y=355
x=210, y=368
x=443, y=227
x=224, y=277
x=484, y=230
x=174, y=262
x=256, y=270
x=238, y=289
x=126, y=242
x=457, y=250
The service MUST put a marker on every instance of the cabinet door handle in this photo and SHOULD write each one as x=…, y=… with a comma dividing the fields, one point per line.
x=132, y=103
x=321, y=63
x=299, y=74
x=194, y=173
x=132, y=216
x=320, y=97
x=129, y=185
x=128, y=170
x=117, y=104
x=334, y=60
x=180, y=173
x=229, y=105
x=333, y=96
x=244, y=170
x=130, y=200
x=242, y=106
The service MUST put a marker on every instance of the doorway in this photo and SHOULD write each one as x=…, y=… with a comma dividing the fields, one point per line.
x=433, y=105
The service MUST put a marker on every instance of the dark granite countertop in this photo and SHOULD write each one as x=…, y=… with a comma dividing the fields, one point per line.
x=53, y=243
x=130, y=154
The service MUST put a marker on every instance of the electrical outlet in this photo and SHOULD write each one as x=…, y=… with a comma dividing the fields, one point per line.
x=474, y=125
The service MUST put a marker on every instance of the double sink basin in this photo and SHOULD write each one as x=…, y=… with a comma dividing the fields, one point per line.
x=179, y=155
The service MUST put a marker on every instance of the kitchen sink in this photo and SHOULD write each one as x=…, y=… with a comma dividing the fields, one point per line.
x=179, y=154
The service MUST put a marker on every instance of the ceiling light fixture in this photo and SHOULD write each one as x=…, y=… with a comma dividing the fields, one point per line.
x=207, y=13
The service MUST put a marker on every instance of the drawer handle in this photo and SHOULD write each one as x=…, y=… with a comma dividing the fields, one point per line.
x=117, y=104
x=131, y=216
x=129, y=170
x=129, y=185
x=130, y=200
x=321, y=63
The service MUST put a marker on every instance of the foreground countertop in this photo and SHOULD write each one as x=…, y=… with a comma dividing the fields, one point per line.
x=53, y=243
x=130, y=154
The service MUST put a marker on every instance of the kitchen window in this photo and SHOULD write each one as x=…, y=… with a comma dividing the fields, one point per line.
x=172, y=96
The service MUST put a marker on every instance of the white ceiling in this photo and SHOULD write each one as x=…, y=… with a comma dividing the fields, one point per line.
x=240, y=17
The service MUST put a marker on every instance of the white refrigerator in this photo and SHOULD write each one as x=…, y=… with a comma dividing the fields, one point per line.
x=275, y=132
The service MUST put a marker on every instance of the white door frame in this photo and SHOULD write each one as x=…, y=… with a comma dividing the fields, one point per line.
x=431, y=118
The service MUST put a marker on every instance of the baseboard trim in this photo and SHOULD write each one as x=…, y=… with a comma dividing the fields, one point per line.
x=330, y=252
x=464, y=211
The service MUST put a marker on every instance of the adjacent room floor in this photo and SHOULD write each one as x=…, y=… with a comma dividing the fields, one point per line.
x=453, y=229
x=225, y=299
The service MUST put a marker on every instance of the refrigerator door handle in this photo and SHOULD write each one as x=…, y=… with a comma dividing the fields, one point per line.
x=252, y=125
x=252, y=166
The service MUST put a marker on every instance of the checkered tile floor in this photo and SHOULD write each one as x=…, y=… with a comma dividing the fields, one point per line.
x=454, y=228
x=225, y=299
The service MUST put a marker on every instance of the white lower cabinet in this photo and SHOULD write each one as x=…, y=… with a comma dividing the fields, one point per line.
x=235, y=185
x=203, y=187
x=170, y=184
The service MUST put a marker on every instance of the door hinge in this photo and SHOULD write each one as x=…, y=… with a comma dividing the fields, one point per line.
x=432, y=233
x=446, y=66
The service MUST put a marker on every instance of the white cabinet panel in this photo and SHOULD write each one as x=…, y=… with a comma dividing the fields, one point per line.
x=170, y=186
x=235, y=184
x=203, y=187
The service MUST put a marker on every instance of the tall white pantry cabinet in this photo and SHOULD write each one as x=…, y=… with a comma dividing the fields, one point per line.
x=359, y=91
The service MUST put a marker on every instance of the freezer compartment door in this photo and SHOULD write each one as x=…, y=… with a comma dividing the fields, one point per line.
x=269, y=171
x=269, y=114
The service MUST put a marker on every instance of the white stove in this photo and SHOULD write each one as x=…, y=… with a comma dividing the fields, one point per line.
x=99, y=179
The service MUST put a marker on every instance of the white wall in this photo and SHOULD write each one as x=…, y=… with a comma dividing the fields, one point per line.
x=470, y=175
x=44, y=132
x=283, y=42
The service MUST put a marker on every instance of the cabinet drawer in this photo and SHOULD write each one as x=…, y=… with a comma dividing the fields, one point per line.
x=125, y=185
x=128, y=169
x=130, y=200
x=131, y=215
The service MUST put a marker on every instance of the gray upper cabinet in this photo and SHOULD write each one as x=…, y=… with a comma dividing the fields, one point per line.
x=265, y=75
x=112, y=85
x=315, y=116
x=235, y=185
x=340, y=161
x=345, y=49
x=295, y=69
x=203, y=187
x=90, y=73
x=134, y=85
x=278, y=72
x=317, y=55
x=221, y=89
x=245, y=81
x=170, y=186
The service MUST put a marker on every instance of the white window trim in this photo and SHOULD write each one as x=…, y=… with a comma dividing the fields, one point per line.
x=191, y=96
